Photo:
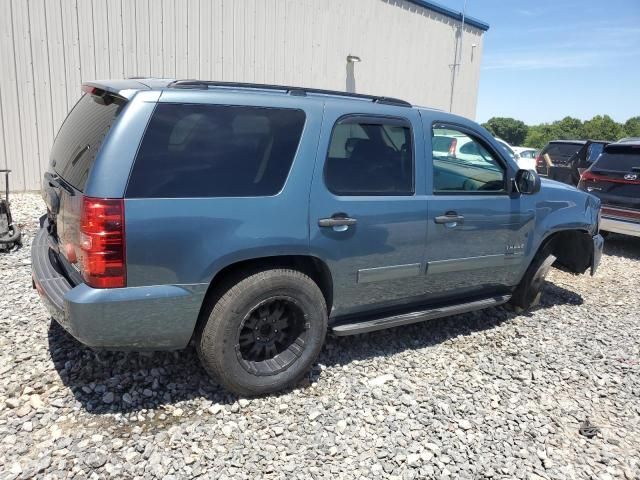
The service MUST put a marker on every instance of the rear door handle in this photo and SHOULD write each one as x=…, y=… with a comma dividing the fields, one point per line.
x=450, y=219
x=337, y=221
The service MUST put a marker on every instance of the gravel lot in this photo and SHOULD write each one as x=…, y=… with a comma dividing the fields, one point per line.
x=483, y=395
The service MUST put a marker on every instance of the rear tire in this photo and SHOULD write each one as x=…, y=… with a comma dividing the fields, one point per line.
x=264, y=333
x=528, y=292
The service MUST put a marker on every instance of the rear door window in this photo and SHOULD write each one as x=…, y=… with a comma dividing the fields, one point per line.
x=81, y=135
x=215, y=151
x=370, y=156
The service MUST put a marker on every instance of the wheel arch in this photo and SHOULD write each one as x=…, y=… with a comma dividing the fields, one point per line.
x=229, y=275
x=573, y=249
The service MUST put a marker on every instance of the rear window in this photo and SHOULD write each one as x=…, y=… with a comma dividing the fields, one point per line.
x=216, y=151
x=561, y=151
x=620, y=158
x=81, y=135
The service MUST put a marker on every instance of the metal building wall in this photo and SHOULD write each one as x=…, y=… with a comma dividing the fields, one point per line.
x=48, y=47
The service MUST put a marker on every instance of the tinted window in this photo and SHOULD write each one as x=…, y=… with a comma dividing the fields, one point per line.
x=561, y=152
x=216, y=151
x=507, y=149
x=81, y=136
x=620, y=158
x=441, y=143
x=595, y=149
x=368, y=158
x=468, y=167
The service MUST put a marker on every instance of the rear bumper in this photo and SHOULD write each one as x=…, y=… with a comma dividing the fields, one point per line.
x=158, y=317
x=616, y=225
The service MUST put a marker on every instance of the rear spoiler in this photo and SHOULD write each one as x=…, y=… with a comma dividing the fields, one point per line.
x=103, y=96
x=124, y=89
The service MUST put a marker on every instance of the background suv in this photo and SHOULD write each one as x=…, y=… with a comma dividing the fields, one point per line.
x=569, y=158
x=615, y=179
x=253, y=218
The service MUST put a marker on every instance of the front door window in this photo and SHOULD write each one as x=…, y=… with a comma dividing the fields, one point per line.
x=462, y=164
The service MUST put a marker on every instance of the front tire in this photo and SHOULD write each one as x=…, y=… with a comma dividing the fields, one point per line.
x=528, y=292
x=264, y=333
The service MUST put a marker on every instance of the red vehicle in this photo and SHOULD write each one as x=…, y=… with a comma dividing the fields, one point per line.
x=615, y=179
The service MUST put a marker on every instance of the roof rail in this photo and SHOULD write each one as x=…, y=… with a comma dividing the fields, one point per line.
x=300, y=91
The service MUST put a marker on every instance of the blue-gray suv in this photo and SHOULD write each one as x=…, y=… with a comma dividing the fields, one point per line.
x=252, y=218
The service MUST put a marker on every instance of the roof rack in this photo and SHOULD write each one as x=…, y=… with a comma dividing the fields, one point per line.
x=299, y=91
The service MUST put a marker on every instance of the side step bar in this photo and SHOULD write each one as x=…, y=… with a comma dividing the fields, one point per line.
x=365, y=326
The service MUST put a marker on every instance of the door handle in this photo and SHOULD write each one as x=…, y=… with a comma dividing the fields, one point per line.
x=337, y=221
x=450, y=219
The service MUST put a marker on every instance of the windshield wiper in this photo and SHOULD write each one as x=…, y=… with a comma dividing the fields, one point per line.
x=57, y=181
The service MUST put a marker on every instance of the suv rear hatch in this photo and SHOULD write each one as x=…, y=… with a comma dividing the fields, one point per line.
x=560, y=154
x=615, y=178
x=72, y=156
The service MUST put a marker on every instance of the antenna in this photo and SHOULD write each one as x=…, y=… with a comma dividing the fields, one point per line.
x=457, y=54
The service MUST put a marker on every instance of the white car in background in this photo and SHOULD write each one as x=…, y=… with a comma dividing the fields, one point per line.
x=464, y=148
x=527, y=157
x=461, y=147
x=526, y=161
x=512, y=153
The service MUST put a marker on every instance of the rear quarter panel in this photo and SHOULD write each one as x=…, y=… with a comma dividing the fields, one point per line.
x=110, y=172
x=188, y=240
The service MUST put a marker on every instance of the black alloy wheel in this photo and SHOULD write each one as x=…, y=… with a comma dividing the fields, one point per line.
x=262, y=332
x=272, y=336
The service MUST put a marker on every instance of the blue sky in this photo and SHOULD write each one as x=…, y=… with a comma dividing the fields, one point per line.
x=546, y=59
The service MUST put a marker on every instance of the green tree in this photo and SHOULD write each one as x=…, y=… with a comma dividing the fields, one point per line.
x=568, y=128
x=603, y=127
x=511, y=130
x=632, y=127
x=539, y=135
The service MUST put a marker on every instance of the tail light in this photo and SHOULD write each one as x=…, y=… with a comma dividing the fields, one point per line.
x=587, y=176
x=539, y=162
x=452, y=147
x=102, y=242
x=90, y=90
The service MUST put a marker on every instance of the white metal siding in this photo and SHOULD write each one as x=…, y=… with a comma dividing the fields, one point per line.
x=47, y=48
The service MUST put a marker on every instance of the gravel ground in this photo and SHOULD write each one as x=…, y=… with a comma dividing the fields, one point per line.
x=483, y=395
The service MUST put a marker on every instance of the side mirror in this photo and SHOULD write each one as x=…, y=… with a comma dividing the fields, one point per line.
x=527, y=182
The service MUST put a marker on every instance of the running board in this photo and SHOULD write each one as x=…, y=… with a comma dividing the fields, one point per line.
x=365, y=326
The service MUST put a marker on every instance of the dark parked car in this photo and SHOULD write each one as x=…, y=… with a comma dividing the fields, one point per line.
x=253, y=218
x=569, y=158
x=615, y=179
